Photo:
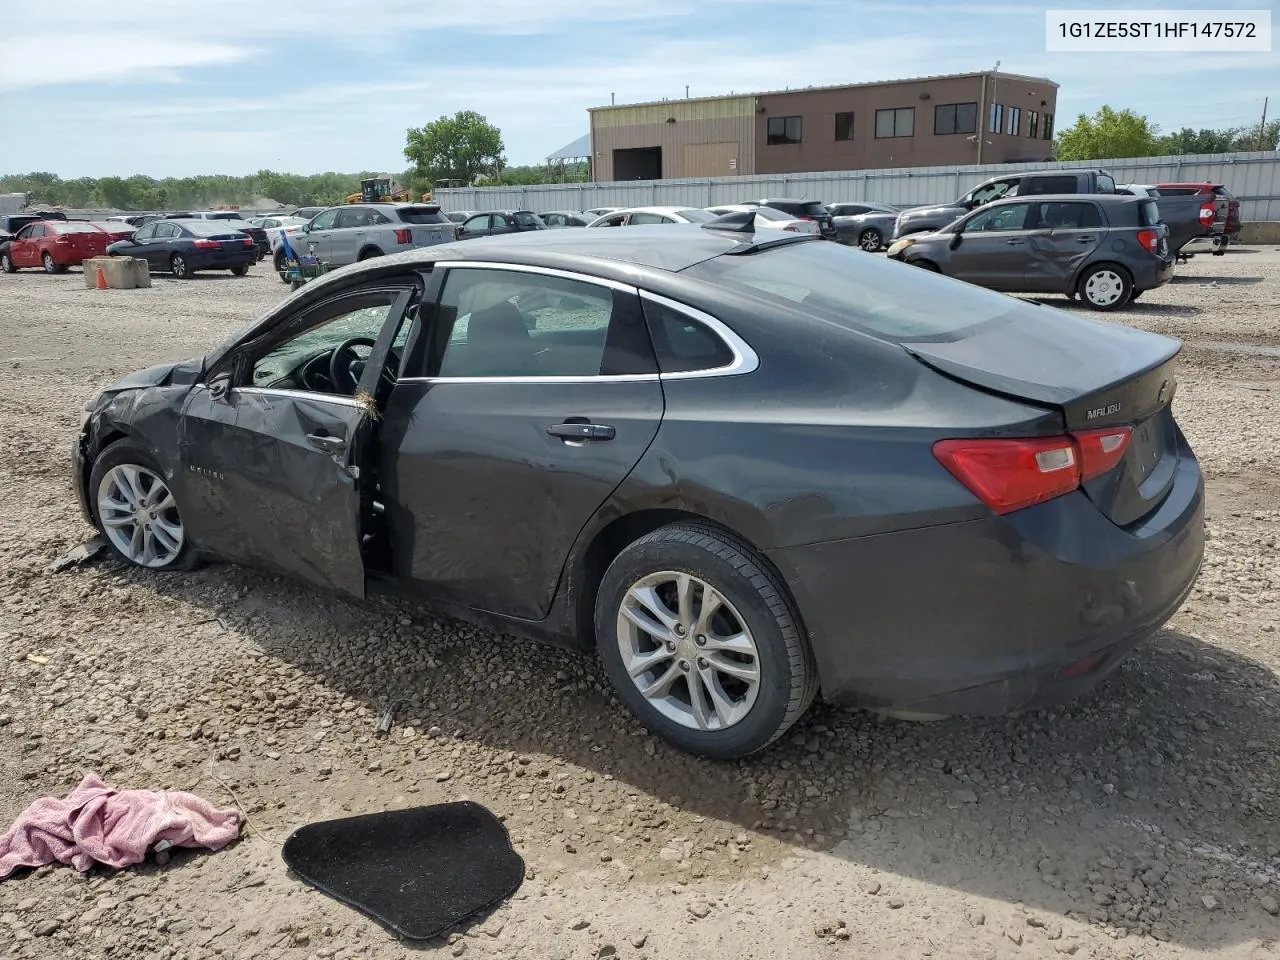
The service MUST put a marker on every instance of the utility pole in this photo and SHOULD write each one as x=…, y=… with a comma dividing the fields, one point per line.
x=686, y=91
x=1262, y=127
x=982, y=108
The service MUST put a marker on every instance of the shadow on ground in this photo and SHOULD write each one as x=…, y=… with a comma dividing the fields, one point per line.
x=1166, y=772
x=1216, y=281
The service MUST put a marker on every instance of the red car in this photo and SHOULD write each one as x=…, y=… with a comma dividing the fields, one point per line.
x=1228, y=206
x=58, y=244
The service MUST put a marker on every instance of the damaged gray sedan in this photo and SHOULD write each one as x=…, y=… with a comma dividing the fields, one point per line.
x=741, y=468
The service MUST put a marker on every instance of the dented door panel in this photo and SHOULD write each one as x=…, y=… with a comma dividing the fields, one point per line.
x=272, y=478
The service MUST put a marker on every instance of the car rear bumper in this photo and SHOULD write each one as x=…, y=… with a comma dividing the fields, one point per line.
x=1206, y=244
x=222, y=260
x=998, y=614
x=1153, y=272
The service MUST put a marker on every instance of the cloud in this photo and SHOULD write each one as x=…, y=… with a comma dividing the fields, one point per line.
x=110, y=57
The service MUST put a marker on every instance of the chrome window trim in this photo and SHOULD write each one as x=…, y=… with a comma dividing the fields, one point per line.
x=745, y=360
x=288, y=394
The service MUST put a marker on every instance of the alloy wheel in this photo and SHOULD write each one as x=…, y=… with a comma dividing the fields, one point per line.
x=49, y=265
x=1104, y=288
x=179, y=267
x=139, y=515
x=869, y=240
x=6, y=264
x=688, y=651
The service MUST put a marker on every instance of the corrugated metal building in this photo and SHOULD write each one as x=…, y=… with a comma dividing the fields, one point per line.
x=927, y=121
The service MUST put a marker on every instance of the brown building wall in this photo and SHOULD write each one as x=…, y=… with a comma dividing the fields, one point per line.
x=818, y=149
x=698, y=138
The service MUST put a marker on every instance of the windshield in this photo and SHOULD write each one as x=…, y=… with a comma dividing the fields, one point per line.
x=696, y=216
x=843, y=285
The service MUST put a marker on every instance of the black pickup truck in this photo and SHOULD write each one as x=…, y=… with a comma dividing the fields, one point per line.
x=1034, y=182
x=1197, y=224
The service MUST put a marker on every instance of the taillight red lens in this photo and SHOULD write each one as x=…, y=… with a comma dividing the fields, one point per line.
x=62, y=238
x=1009, y=475
x=404, y=235
x=207, y=245
x=1101, y=450
x=1208, y=214
x=250, y=242
x=1149, y=240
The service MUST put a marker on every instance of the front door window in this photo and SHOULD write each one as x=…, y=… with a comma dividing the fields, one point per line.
x=1009, y=217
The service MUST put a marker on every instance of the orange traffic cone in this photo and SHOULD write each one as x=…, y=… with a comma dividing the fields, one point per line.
x=102, y=279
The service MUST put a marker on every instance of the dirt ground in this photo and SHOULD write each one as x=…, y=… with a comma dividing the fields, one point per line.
x=1140, y=822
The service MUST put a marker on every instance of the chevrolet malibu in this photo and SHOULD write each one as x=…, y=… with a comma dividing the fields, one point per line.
x=742, y=469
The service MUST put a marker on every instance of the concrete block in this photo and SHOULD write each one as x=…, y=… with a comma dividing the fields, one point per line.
x=121, y=273
x=1260, y=231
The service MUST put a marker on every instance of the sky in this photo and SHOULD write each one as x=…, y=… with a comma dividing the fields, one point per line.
x=168, y=88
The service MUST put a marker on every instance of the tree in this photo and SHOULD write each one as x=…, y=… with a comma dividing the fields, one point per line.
x=1187, y=141
x=1109, y=134
x=462, y=147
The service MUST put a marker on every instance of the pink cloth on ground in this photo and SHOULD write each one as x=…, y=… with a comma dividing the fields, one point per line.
x=100, y=824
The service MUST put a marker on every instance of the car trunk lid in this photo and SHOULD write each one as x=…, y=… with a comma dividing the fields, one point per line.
x=1096, y=375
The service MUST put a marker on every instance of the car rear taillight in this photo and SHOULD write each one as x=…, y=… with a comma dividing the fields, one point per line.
x=1009, y=475
x=207, y=245
x=62, y=238
x=791, y=227
x=404, y=235
x=250, y=242
x=1149, y=239
x=1101, y=450
x=1208, y=214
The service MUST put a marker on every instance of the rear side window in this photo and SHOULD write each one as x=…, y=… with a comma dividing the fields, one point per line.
x=1106, y=184
x=843, y=286
x=682, y=343
x=421, y=215
x=812, y=208
x=526, y=219
x=1052, y=185
x=1065, y=216
x=1148, y=213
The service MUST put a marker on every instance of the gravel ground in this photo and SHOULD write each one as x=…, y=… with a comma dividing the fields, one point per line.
x=1139, y=822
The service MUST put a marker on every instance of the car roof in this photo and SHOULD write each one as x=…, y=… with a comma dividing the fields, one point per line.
x=1106, y=199
x=1190, y=183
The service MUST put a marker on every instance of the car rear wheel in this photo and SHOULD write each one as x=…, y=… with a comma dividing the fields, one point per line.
x=6, y=264
x=925, y=265
x=136, y=510
x=178, y=267
x=870, y=240
x=240, y=269
x=1106, y=286
x=700, y=641
x=51, y=265
x=277, y=261
x=368, y=253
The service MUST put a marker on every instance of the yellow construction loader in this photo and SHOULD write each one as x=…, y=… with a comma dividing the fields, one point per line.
x=381, y=190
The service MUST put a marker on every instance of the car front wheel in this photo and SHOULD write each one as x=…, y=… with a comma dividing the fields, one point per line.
x=240, y=269
x=136, y=511
x=870, y=240
x=277, y=261
x=6, y=264
x=1105, y=287
x=700, y=641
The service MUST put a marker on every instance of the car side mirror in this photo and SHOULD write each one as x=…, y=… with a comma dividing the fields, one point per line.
x=220, y=387
x=956, y=240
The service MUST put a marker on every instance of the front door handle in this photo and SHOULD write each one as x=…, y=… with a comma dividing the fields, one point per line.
x=582, y=431
x=325, y=442
x=1014, y=243
x=1085, y=239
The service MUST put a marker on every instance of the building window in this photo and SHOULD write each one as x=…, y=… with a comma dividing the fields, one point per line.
x=1048, y=126
x=1033, y=124
x=899, y=122
x=955, y=118
x=995, y=118
x=784, y=130
x=844, y=126
x=1015, y=122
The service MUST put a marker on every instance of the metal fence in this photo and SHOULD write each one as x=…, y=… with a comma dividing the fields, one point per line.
x=1253, y=177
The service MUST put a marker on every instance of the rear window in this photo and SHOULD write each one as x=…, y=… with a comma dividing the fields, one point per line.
x=74, y=227
x=769, y=213
x=696, y=216
x=421, y=214
x=223, y=215
x=210, y=228
x=842, y=285
x=527, y=219
x=1051, y=185
x=1106, y=184
x=812, y=208
x=1224, y=193
x=1176, y=191
x=1148, y=213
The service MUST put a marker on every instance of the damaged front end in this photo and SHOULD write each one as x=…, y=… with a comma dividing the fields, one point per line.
x=144, y=404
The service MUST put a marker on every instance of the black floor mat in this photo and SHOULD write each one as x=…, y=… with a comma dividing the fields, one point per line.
x=418, y=871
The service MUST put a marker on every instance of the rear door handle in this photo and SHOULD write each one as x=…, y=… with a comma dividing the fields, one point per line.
x=1014, y=243
x=582, y=431
x=325, y=442
x=1085, y=239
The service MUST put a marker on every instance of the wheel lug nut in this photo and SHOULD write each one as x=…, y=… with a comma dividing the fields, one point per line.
x=671, y=646
x=684, y=665
x=700, y=640
x=702, y=663
x=679, y=629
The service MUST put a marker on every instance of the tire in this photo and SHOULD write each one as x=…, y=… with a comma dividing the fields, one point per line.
x=240, y=269
x=755, y=603
x=277, y=261
x=109, y=477
x=51, y=265
x=6, y=264
x=1135, y=295
x=1105, y=286
x=925, y=265
x=368, y=254
x=178, y=267
x=870, y=240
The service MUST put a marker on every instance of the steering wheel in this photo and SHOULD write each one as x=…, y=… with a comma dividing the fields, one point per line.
x=343, y=358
